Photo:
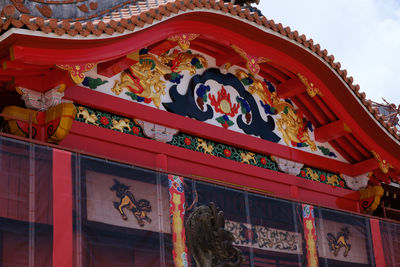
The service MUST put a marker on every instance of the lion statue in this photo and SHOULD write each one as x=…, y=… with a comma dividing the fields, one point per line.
x=208, y=241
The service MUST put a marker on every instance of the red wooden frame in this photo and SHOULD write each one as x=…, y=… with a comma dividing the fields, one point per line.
x=131, y=109
x=157, y=155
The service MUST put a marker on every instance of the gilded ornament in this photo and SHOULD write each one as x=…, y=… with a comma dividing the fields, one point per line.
x=333, y=179
x=183, y=39
x=293, y=128
x=248, y=157
x=251, y=61
x=76, y=71
x=180, y=61
x=383, y=165
x=84, y=114
x=260, y=88
x=311, y=90
x=312, y=174
x=202, y=144
x=371, y=198
x=121, y=125
x=146, y=78
x=291, y=124
x=143, y=79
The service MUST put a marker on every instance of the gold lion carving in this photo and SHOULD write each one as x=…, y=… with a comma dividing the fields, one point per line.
x=248, y=157
x=88, y=118
x=121, y=124
x=203, y=144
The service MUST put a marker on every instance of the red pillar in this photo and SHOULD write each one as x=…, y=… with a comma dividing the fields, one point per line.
x=377, y=243
x=62, y=209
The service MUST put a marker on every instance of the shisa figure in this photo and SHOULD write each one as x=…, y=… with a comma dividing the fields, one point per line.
x=208, y=241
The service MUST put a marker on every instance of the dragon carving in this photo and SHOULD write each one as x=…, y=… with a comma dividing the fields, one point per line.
x=208, y=241
x=147, y=78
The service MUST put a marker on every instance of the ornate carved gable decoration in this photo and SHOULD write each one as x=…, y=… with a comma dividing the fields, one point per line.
x=190, y=84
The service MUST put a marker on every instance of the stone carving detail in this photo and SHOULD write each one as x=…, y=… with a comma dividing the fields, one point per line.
x=207, y=240
x=157, y=132
x=42, y=101
x=356, y=183
x=289, y=167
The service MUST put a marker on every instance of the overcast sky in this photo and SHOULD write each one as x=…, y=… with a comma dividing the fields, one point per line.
x=363, y=35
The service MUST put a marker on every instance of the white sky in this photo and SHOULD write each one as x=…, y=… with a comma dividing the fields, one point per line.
x=363, y=35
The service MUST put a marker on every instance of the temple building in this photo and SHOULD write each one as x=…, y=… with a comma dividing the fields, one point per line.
x=120, y=118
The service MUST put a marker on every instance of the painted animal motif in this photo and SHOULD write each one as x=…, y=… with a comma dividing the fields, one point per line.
x=248, y=157
x=333, y=179
x=143, y=79
x=294, y=129
x=203, y=144
x=88, y=118
x=260, y=89
x=179, y=61
x=340, y=241
x=139, y=208
x=121, y=125
x=313, y=175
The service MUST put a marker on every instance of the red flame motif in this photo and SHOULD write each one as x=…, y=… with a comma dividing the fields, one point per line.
x=223, y=103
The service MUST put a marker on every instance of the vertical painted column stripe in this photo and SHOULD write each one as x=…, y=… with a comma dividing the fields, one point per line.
x=310, y=235
x=377, y=243
x=62, y=209
x=177, y=212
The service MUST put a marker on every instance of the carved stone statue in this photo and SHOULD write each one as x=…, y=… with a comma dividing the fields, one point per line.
x=208, y=241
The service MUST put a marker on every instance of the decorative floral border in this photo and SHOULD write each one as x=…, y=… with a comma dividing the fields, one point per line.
x=130, y=126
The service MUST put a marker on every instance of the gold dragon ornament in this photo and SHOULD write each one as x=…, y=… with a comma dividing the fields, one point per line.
x=147, y=77
x=294, y=128
x=291, y=123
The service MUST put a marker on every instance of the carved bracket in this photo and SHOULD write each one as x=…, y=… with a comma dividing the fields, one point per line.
x=157, y=132
x=76, y=71
x=356, y=183
x=289, y=167
x=311, y=89
x=50, y=126
x=384, y=166
x=370, y=198
x=42, y=101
